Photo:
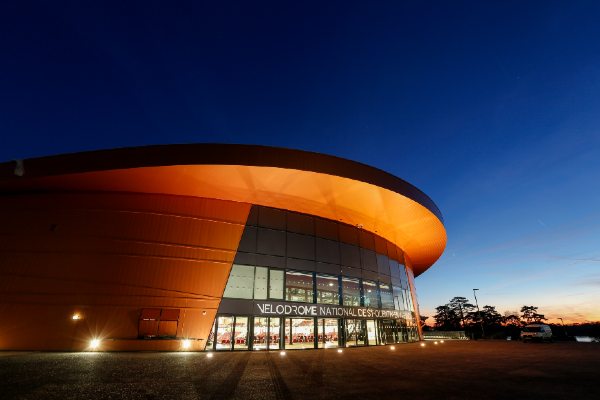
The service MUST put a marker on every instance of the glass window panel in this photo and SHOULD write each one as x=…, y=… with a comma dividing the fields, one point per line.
x=350, y=291
x=328, y=333
x=371, y=299
x=299, y=286
x=327, y=289
x=224, y=333
x=240, y=284
x=259, y=337
x=276, y=284
x=271, y=218
x=355, y=332
x=260, y=283
x=271, y=242
x=387, y=298
x=368, y=259
x=403, y=276
x=300, y=223
x=395, y=271
x=383, y=264
x=348, y=234
x=371, y=332
x=398, y=298
x=274, y=329
x=300, y=246
x=350, y=255
x=326, y=229
x=300, y=333
x=380, y=245
x=241, y=333
x=252, y=216
x=248, y=240
x=366, y=239
x=328, y=251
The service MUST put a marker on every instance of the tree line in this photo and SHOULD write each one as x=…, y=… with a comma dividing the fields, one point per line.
x=460, y=315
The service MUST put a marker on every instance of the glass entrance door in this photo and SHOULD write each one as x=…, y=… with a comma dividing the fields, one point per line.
x=327, y=333
x=299, y=333
x=260, y=334
x=356, y=334
x=371, y=332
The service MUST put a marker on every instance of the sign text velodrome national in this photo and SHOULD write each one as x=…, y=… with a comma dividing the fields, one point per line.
x=321, y=310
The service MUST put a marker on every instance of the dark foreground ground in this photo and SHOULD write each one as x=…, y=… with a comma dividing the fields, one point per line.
x=453, y=370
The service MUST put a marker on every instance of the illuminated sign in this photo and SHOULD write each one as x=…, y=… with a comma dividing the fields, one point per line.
x=321, y=310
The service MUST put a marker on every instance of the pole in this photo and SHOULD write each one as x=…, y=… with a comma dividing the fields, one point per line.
x=563, y=324
x=479, y=313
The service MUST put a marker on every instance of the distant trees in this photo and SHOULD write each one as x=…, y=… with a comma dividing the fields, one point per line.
x=455, y=315
x=459, y=314
x=529, y=315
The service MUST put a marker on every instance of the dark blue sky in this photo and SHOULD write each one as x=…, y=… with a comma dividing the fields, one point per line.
x=492, y=108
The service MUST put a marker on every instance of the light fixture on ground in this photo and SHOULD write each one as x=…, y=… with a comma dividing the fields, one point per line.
x=94, y=344
x=282, y=353
x=340, y=350
x=435, y=342
x=392, y=347
x=422, y=344
x=209, y=355
x=441, y=341
x=186, y=344
x=76, y=317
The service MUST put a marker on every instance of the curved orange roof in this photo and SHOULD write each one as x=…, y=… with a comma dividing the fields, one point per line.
x=306, y=182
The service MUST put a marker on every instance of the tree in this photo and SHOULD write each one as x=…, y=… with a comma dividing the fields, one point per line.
x=453, y=316
x=511, y=320
x=462, y=308
x=445, y=319
x=529, y=315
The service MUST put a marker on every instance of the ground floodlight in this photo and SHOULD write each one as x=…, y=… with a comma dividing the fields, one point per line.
x=94, y=344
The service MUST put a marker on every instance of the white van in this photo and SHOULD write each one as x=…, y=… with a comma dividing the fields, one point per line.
x=536, y=332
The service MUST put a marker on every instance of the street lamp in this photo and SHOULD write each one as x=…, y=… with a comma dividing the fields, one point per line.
x=479, y=313
x=563, y=324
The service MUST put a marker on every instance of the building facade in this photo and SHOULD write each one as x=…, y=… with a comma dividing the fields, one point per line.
x=223, y=247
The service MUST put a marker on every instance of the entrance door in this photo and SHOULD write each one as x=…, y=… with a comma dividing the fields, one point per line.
x=260, y=334
x=328, y=333
x=356, y=332
x=371, y=332
x=299, y=333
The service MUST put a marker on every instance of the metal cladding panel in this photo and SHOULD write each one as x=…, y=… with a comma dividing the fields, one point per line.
x=402, y=221
x=309, y=183
x=107, y=256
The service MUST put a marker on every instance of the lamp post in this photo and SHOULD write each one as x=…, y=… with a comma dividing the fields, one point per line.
x=563, y=324
x=479, y=313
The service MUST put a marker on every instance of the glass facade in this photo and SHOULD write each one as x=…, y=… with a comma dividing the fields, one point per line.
x=288, y=259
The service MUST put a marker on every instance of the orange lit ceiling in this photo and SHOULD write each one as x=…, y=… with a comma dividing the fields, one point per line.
x=305, y=182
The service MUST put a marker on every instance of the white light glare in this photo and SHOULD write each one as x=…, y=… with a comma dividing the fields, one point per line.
x=209, y=355
x=392, y=347
x=435, y=342
x=94, y=344
x=186, y=344
x=422, y=344
x=441, y=341
x=76, y=317
x=340, y=350
x=282, y=353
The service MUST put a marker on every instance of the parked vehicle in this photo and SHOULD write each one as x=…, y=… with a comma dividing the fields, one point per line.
x=541, y=332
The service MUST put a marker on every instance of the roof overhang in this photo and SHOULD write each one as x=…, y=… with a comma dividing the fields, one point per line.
x=311, y=183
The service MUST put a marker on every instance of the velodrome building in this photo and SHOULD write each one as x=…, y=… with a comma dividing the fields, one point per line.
x=209, y=247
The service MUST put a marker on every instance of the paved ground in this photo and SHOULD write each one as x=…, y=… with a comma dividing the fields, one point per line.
x=453, y=370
